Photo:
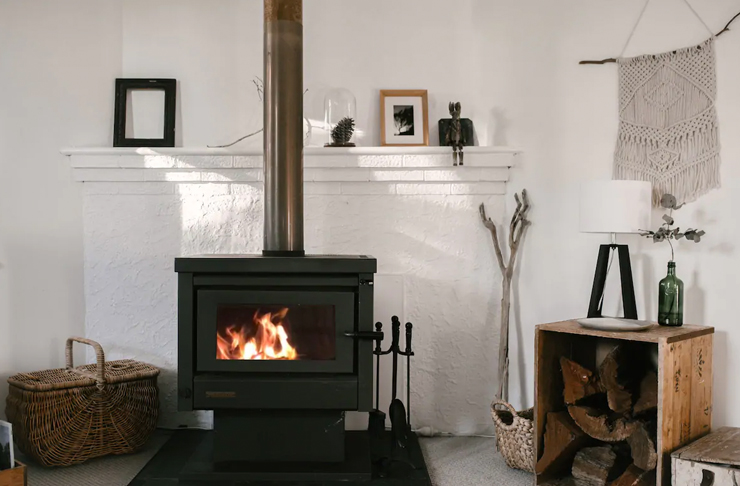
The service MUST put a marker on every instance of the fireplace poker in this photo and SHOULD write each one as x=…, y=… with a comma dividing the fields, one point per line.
x=376, y=420
x=408, y=353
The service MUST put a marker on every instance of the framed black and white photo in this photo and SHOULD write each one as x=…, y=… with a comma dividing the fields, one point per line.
x=404, y=117
x=7, y=456
x=145, y=113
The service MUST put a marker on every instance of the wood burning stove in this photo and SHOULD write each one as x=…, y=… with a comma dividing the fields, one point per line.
x=279, y=348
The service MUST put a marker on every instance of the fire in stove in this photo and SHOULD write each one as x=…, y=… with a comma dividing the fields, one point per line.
x=265, y=338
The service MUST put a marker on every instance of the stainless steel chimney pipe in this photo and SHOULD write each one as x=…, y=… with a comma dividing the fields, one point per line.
x=283, y=84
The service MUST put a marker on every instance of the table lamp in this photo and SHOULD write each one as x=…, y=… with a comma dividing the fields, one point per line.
x=615, y=207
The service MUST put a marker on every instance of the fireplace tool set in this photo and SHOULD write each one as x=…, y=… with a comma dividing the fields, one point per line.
x=400, y=414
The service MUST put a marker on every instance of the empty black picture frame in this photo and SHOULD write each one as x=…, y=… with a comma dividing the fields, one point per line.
x=169, y=86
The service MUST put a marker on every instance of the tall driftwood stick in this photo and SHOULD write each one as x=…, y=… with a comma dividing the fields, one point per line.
x=517, y=227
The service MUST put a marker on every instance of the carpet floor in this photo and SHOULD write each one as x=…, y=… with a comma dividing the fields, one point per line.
x=453, y=461
x=469, y=461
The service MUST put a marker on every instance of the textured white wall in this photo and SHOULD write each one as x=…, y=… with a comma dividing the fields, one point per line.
x=429, y=238
x=57, y=65
x=214, y=49
x=565, y=116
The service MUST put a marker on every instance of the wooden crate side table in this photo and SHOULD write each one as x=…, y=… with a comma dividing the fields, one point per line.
x=15, y=476
x=684, y=379
x=714, y=459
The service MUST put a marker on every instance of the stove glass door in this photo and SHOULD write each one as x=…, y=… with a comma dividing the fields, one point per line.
x=263, y=331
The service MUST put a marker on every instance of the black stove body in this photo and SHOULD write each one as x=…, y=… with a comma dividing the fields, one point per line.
x=279, y=348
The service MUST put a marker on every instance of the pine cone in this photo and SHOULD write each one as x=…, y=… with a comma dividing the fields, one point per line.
x=342, y=133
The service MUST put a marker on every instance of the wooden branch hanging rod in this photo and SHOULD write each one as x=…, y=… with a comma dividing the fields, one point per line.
x=612, y=59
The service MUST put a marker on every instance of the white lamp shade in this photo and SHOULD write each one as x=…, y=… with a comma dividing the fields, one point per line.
x=615, y=206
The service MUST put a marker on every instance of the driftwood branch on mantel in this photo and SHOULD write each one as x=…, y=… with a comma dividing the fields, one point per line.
x=612, y=59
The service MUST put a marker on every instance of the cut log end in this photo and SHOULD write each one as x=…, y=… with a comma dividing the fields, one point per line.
x=634, y=476
x=592, y=465
x=648, y=393
x=597, y=425
x=563, y=439
x=643, y=448
x=579, y=381
x=620, y=400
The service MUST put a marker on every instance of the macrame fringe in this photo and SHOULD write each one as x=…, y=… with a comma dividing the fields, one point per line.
x=688, y=185
x=705, y=136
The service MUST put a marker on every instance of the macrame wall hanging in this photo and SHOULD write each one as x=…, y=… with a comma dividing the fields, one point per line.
x=668, y=131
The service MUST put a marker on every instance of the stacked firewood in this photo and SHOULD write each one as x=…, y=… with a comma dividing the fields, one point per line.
x=607, y=435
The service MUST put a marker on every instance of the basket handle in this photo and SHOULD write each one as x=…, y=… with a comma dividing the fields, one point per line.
x=501, y=403
x=99, y=377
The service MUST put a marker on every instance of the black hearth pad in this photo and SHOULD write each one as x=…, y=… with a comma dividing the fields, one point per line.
x=185, y=446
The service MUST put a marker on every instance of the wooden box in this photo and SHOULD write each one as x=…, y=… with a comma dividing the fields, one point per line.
x=15, y=476
x=714, y=459
x=684, y=371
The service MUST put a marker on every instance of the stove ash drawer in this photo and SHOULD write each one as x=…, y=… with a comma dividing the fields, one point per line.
x=214, y=392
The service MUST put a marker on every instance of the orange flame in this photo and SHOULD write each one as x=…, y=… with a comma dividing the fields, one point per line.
x=270, y=342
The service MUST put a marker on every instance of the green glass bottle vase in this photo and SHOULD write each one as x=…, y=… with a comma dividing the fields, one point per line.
x=670, y=299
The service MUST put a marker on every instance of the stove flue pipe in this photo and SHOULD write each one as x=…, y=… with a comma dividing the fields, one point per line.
x=283, y=123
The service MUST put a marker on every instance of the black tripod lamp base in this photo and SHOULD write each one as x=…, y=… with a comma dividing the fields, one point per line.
x=625, y=275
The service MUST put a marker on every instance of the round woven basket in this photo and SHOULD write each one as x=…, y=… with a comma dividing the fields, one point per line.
x=514, y=435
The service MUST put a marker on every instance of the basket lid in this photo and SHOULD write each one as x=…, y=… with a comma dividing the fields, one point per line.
x=62, y=378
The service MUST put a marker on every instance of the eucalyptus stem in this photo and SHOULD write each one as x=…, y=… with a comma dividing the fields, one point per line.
x=670, y=213
x=666, y=230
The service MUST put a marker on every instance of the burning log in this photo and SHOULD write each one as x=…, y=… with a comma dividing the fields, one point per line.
x=648, y=393
x=592, y=465
x=620, y=400
x=266, y=339
x=598, y=426
x=579, y=381
x=643, y=448
x=563, y=439
x=634, y=476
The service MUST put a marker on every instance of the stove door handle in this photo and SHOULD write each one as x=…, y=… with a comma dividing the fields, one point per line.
x=365, y=335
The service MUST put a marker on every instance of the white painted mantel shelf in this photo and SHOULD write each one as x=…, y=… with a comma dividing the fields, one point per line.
x=327, y=171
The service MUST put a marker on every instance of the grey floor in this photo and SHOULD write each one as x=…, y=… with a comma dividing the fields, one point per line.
x=454, y=461
x=469, y=461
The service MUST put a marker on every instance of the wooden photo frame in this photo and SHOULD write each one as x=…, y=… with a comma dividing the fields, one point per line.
x=404, y=118
x=123, y=123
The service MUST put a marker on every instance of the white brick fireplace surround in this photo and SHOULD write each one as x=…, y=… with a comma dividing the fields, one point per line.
x=408, y=207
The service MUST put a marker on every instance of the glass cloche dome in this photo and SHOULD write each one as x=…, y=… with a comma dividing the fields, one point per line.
x=340, y=116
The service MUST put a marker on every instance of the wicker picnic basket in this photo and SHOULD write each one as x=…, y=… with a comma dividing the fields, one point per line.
x=67, y=416
x=514, y=435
